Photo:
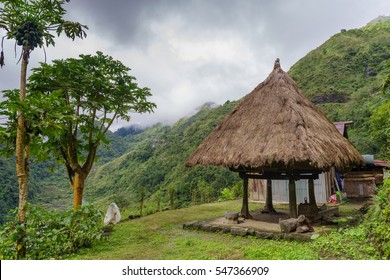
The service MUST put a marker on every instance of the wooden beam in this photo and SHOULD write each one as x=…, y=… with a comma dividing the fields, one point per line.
x=279, y=176
x=269, y=207
x=292, y=199
x=312, y=197
x=276, y=170
x=245, y=204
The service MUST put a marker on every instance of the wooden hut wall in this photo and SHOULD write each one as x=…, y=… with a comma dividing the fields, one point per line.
x=359, y=184
x=257, y=190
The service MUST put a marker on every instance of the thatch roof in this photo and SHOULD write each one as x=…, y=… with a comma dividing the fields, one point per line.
x=275, y=127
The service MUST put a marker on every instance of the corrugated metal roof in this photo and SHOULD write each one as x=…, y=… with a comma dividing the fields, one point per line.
x=341, y=127
x=381, y=163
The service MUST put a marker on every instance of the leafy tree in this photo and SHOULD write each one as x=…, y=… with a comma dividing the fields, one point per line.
x=380, y=122
x=386, y=83
x=171, y=194
x=380, y=129
x=92, y=91
x=30, y=24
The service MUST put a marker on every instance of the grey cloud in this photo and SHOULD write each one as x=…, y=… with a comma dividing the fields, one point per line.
x=125, y=22
x=193, y=51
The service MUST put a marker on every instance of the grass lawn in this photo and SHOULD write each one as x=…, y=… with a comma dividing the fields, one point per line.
x=160, y=237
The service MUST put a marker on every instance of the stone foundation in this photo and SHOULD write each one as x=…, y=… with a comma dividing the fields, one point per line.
x=243, y=231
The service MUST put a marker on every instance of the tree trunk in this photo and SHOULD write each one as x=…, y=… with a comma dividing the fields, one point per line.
x=269, y=207
x=22, y=154
x=78, y=189
x=171, y=194
x=20, y=151
x=292, y=198
x=245, y=204
x=142, y=200
x=77, y=174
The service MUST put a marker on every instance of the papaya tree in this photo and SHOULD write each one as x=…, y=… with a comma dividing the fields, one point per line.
x=94, y=91
x=31, y=25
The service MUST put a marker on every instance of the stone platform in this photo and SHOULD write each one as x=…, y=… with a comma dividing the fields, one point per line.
x=262, y=226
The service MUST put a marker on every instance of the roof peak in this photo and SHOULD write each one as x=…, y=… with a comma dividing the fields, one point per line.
x=277, y=63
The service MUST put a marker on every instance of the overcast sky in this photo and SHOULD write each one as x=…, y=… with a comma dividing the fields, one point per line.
x=190, y=52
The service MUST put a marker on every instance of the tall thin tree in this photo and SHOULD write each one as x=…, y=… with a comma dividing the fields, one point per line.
x=31, y=24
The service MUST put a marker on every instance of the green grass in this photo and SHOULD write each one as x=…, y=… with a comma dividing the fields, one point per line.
x=160, y=237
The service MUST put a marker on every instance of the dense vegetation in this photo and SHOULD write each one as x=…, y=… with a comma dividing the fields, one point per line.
x=377, y=221
x=8, y=193
x=51, y=235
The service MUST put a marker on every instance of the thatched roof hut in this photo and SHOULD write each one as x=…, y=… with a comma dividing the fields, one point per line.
x=276, y=126
x=276, y=130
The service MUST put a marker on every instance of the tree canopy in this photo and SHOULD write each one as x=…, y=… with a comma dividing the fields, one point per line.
x=90, y=92
x=32, y=23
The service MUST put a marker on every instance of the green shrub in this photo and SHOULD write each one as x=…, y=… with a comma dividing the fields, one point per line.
x=51, y=235
x=368, y=239
x=348, y=242
x=237, y=190
x=377, y=221
x=226, y=194
x=122, y=200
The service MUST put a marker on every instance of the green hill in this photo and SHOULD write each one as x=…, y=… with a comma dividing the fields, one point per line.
x=348, y=62
x=153, y=167
x=344, y=77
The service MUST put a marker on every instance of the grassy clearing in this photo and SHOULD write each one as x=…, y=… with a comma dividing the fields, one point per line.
x=160, y=237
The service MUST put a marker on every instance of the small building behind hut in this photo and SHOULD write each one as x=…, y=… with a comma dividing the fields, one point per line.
x=362, y=182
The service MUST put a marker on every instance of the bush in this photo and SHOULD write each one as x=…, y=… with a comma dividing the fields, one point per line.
x=349, y=242
x=370, y=239
x=51, y=235
x=121, y=200
x=377, y=221
x=226, y=194
x=237, y=190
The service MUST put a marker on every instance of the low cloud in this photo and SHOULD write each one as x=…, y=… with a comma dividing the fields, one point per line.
x=192, y=52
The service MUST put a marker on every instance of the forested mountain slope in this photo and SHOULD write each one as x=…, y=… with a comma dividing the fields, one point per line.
x=344, y=77
x=154, y=164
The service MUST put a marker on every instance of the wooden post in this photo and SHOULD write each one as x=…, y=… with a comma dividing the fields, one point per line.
x=245, y=204
x=292, y=198
x=312, y=197
x=268, y=207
